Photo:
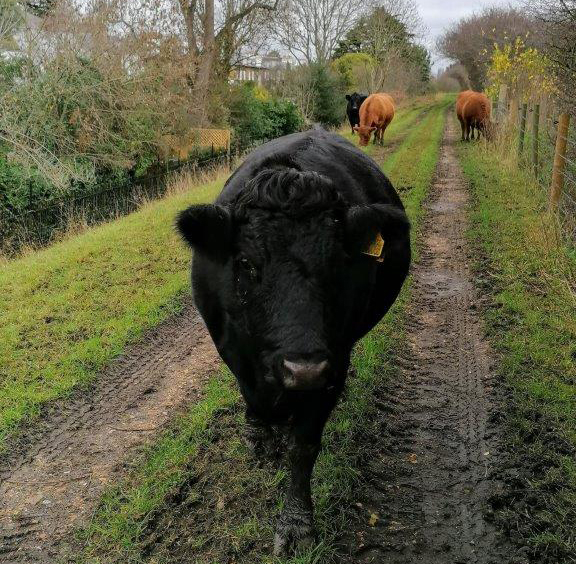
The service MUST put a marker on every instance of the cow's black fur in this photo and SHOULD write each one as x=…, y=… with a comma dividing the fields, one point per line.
x=279, y=275
x=353, y=108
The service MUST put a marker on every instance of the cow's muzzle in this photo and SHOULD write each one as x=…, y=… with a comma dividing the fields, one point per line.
x=303, y=375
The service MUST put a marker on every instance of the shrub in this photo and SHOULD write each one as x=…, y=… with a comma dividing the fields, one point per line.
x=523, y=69
x=356, y=70
x=256, y=115
x=328, y=91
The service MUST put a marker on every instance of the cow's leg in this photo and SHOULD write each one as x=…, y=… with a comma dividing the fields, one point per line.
x=296, y=526
x=259, y=436
x=463, y=127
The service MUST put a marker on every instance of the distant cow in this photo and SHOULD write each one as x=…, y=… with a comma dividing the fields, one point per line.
x=473, y=111
x=303, y=252
x=376, y=113
x=353, y=108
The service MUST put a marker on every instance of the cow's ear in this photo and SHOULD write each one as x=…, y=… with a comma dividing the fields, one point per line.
x=348, y=97
x=365, y=223
x=207, y=228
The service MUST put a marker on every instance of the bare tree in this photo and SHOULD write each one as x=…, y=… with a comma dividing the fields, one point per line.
x=298, y=86
x=311, y=29
x=405, y=11
x=203, y=39
x=559, y=30
x=470, y=41
x=238, y=39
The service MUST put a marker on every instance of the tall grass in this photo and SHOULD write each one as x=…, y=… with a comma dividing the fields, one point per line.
x=528, y=270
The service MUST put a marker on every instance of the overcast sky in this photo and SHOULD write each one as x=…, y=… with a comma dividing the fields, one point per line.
x=439, y=14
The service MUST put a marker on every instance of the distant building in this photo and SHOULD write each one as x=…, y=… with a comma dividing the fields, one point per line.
x=261, y=69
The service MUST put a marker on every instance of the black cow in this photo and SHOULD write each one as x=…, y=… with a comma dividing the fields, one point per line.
x=282, y=279
x=353, y=108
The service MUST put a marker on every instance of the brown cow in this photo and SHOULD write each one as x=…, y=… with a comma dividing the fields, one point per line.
x=376, y=113
x=473, y=111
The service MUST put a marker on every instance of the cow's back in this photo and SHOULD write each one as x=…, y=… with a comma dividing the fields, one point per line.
x=377, y=109
x=476, y=107
x=356, y=176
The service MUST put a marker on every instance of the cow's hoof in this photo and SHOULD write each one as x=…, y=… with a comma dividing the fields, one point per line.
x=295, y=532
x=261, y=442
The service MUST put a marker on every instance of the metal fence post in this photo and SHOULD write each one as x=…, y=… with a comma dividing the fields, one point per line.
x=559, y=160
x=536, y=140
x=522, y=132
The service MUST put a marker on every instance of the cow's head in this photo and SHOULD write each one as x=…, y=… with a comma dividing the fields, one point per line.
x=294, y=253
x=364, y=133
x=355, y=100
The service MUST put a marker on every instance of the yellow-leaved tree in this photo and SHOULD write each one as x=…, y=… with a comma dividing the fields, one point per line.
x=526, y=72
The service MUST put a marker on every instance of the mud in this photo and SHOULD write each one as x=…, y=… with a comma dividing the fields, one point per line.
x=50, y=484
x=427, y=484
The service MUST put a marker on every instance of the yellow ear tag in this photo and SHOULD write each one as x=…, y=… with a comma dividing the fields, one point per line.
x=376, y=247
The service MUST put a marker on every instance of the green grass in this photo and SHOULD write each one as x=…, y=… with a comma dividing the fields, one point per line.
x=197, y=496
x=68, y=309
x=529, y=273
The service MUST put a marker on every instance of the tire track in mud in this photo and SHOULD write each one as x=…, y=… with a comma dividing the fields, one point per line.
x=51, y=480
x=427, y=483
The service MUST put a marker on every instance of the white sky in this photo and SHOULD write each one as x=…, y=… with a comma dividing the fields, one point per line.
x=437, y=15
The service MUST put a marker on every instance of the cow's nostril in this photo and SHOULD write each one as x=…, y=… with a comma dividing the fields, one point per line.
x=305, y=375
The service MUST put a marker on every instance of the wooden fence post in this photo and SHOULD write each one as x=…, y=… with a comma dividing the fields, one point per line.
x=502, y=99
x=522, y=132
x=513, y=115
x=536, y=140
x=559, y=161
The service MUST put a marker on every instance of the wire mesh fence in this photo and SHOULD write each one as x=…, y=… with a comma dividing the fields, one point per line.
x=545, y=142
x=41, y=225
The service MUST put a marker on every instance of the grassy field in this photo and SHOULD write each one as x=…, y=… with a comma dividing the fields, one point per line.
x=69, y=309
x=529, y=273
x=182, y=502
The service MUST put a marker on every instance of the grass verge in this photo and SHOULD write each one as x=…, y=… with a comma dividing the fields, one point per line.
x=528, y=273
x=196, y=496
x=70, y=308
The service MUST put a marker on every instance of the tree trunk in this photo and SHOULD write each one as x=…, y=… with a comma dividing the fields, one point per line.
x=205, y=64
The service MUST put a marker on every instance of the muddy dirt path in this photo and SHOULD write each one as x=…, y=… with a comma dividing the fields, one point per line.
x=428, y=484
x=50, y=485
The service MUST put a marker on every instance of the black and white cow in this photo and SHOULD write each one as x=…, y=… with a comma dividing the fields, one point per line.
x=353, y=108
x=288, y=273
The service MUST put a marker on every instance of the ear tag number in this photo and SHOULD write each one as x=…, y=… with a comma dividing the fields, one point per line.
x=375, y=249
